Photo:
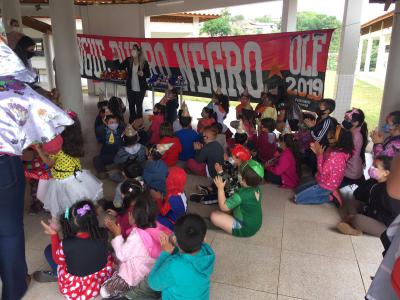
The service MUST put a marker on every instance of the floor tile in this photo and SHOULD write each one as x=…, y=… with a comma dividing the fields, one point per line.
x=324, y=213
x=270, y=234
x=368, y=270
x=43, y=291
x=368, y=249
x=35, y=260
x=221, y=291
x=319, y=277
x=281, y=297
x=248, y=266
x=316, y=238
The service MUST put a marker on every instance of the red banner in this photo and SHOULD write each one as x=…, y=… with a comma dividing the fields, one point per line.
x=294, y=62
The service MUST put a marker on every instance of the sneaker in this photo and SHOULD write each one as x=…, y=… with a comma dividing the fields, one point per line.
x=196, y=198
x=345, y=228
x=203, y=189
x=45, y=276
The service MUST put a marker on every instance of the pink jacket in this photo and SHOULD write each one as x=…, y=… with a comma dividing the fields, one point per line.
x=138, y=253
x=354, y=168
x=155, y=129
x=286, y=168
x=331, y=168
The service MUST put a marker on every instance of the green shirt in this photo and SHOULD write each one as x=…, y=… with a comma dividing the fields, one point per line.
x=247, y=210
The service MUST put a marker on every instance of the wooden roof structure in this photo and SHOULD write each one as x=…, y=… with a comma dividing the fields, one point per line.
x=381, y=22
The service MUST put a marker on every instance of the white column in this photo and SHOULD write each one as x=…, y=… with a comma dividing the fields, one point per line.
x=359, y=54
x=368, y=54
x=11, y=9
x=62, y=14
x=380, y=61
x=349, y=42
x=86, y=30
x=143, y=23
x=289, y=15
x=196, y=27
x=391, y=92
x=49, y=56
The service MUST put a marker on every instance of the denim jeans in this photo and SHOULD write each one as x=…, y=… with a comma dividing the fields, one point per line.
x=13, y=268
x=311, y=193
x=49, y=257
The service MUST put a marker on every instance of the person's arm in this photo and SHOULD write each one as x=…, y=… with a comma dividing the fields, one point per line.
x=44, y=157
x=128, y=249
x=318, y=136
x=201, y=154
x=146, y=70
x=281, y=166
x=160, y=276
x=57, y=250
x=221, y=194
x=100, y=132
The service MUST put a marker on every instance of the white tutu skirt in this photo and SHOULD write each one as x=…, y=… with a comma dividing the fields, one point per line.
x=59, y=194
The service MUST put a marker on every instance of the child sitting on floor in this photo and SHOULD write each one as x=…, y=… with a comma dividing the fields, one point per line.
x=110, y=134
x=173, y=204
x=245, y=204
x=184, y=268
x=265, y=141
x=131, y=149
x=80, y=261
x=171, y=104
x=331, y=167
x=221, y=137
x=241, y=137
x=136, y=253
x=285, y=170
x=229, y=172
x=187, y=136
x=103, y=111
x=371, y=210
x=206, y=119
x=303, y=135
x=167, y=137
x=156, y=120
x=207, y=155
x=155, y=170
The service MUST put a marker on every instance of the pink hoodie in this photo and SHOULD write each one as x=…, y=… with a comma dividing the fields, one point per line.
x=331, y=168
x=138, y=253
x=286, y=168
x=156, y=122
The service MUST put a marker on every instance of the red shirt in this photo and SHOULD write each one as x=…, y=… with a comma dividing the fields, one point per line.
x=171, y=157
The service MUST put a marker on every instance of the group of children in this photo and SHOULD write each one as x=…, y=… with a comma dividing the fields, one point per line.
x=156, y=245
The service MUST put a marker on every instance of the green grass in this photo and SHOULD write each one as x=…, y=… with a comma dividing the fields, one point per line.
x=366, y=96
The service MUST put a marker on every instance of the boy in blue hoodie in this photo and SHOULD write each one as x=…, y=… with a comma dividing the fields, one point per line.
x=184, y=268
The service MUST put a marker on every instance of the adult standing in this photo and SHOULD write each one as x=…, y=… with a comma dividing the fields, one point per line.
x=138, y=71
x=14, y=34
x=26, y=118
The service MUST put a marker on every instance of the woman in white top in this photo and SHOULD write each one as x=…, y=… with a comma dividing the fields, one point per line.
x=138, y=71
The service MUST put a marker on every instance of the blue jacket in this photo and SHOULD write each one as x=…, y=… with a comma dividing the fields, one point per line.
x=123, y=155
x=183, y=276
x=103, y=136
x=154, y=174
x=187, y=137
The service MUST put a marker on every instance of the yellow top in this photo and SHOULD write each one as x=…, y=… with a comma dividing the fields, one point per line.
x=270, y=112
x=64, y=165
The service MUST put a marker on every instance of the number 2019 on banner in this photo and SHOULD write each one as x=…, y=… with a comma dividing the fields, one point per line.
x=312, y=88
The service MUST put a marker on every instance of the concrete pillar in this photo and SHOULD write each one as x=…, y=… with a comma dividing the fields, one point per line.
x=196, y=27
x=368, y=54
x=143, y=23
x=86, y=30
x=49, y=56
x=11, y=9
x=66, y=54
x=289, y=16
x=391, y=92
x=359, y=55
x=349, y=42
x=380, y=61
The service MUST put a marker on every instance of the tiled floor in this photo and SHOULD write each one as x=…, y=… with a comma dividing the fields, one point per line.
x=297, y=254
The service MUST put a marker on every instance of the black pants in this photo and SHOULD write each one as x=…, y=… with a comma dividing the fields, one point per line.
x=13, y=268
x=135, y=100
x=101, y=161
x=272, y=178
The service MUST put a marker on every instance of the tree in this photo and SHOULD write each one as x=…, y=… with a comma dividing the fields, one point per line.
x=308, y=20
x=264, y=19
x=218, y=27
